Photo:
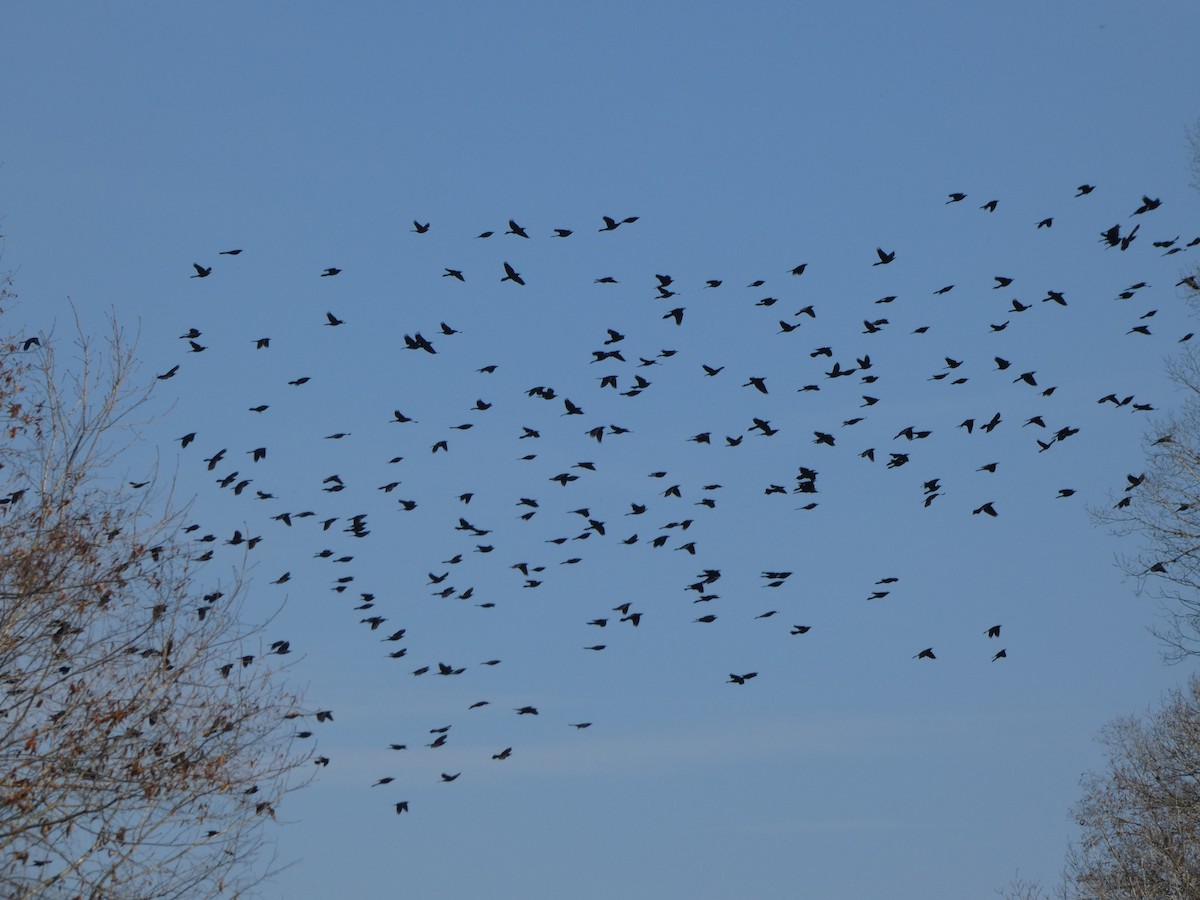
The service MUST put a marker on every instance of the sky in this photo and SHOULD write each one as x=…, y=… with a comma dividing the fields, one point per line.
x=138, y=140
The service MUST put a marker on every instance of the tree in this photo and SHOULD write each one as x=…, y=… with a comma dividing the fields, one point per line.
x=1140, y=819
x=1161, y=506
x=1022, y=889
x=144, y=744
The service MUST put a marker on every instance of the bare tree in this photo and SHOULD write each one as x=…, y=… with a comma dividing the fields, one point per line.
x=144, y=742
x=1022, y=889
x=1193, y=143
x=1161, y=508
x=1140, y=819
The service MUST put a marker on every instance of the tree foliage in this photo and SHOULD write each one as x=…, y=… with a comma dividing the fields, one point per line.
x=1140, y=819
x=144, y=742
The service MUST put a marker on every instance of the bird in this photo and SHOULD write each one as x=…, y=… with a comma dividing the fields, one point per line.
x=927, y=653
x=1148, y=204
x=511, y=274
x=884, y=256
x=201, y=271
x=418, y=342
x=330, y=272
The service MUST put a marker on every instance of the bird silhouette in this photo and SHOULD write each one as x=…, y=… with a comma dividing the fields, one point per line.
x=511, y=274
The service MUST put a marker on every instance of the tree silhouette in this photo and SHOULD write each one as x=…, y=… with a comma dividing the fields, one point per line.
x=142, y=747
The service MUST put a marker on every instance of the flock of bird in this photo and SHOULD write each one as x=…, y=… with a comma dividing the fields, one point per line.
x=658, y=512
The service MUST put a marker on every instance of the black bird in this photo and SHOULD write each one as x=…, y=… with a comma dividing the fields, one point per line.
x=1147, y=205
x=884, y=257
x=511, y=274
x=201, y=271
x=330, y=272
x=418, y=342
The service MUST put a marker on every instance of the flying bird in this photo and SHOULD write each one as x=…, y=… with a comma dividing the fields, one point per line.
x=511, y=274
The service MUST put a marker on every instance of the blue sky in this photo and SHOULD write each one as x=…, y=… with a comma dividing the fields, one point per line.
x=140, y=139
